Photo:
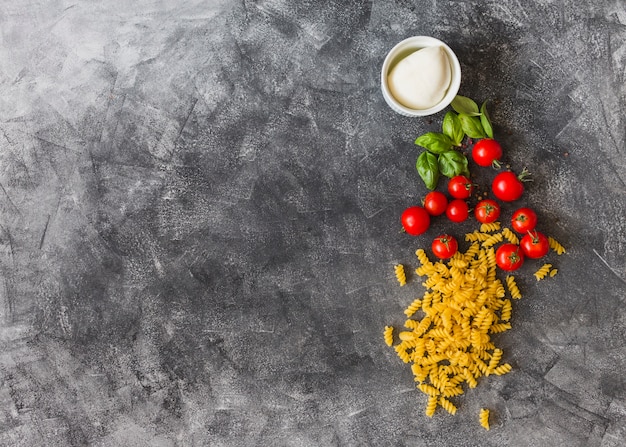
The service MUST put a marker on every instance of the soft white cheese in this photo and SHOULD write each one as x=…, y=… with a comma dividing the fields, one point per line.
x=420, y=80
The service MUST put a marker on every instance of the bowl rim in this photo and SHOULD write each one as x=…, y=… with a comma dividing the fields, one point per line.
x=421, y=42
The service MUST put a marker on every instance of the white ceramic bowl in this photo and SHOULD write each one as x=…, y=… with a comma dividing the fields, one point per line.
x=403, y=49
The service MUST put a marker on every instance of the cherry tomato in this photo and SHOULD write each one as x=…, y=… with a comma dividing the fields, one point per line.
x=487, y=211
x=487, y=152
x=509, y=257
x=457, y=210
x=524, y=220
x=435, y=203
x=535, y=245
x=507, y=186
x=460, y=187
x=415, y=220
x=445, y=246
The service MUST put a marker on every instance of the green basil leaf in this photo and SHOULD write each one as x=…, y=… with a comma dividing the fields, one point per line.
x=485, y=120
x=453, y=163
x=434, y=142
x=428, y=169
x=471, y=126
x=465, y=105
x=452, y=128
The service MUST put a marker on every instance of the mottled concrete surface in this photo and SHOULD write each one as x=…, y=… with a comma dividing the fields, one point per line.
x=199, y=208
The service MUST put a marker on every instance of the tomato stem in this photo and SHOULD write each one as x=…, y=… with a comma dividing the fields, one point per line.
x=524, y=176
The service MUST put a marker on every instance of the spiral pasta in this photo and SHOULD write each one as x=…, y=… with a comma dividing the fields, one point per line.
x=447, y=405
x=422, y=257
x=483, y=418
x=413, y=307
x=505, y=311
x=400, y=274
x=553, y=272
x=512, y=286
x=556, y=246
x=449, y=343
x=510, y=236
x=388, y=335
x=431, y=405
x=492, y=240
x=502, y=369
x=476, y=236
x=490, y=227
x=543, y=271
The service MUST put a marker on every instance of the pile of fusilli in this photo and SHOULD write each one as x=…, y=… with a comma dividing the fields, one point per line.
x=448, y=340
x=448, y=331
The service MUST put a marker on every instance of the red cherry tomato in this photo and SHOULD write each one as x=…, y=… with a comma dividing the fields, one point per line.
x=457, y=210
x=487, y=211
x=435, y=203
x=509, y=257
x=445, y=246
x=460, y=187
x=524, y=220
x=507, y=186
x=487, y=152
x=535, y=245
x=415, y=220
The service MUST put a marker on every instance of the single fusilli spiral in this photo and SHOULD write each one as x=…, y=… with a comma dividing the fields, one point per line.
x=476, y=236
x=400, y=275
x=543, y=271
x=492, y=240
x=483, y=418
x=490, y=227
x=413, y=307
x=388, y=335
x=513, y=289
x=499, y=327
x=502, y=369
x=505, y=312
x=431, y=406
x=403, y=354
x=556, y=246
x=447, y=405
x=422, y=257
x=510, y=236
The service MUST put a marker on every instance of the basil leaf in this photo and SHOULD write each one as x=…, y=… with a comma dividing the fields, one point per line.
x=485, y=120
x=471, y=126
x=453, y=163
x=452, y=128
x=428, y=169
x=434, y=142
x=465, y=105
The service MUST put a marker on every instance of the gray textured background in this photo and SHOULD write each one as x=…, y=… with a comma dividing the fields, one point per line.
x=199, y=208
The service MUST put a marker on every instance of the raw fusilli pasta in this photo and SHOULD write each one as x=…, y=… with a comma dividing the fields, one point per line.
x=493, y=239
x=413, y=307
x=490, y=227
x=502, y=369
x=513, y=289
x=553, y=272
x=450, y=343
x=400, y=275
x=447, y=405
x=483, y=418
x=431, y=406
x=422, y=257
x=388, y=335
x=476, y=236
x=543, y=271
x=510, y=236
x=556, y=246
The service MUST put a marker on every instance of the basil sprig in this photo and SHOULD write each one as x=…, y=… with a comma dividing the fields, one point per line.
x=441, y=156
